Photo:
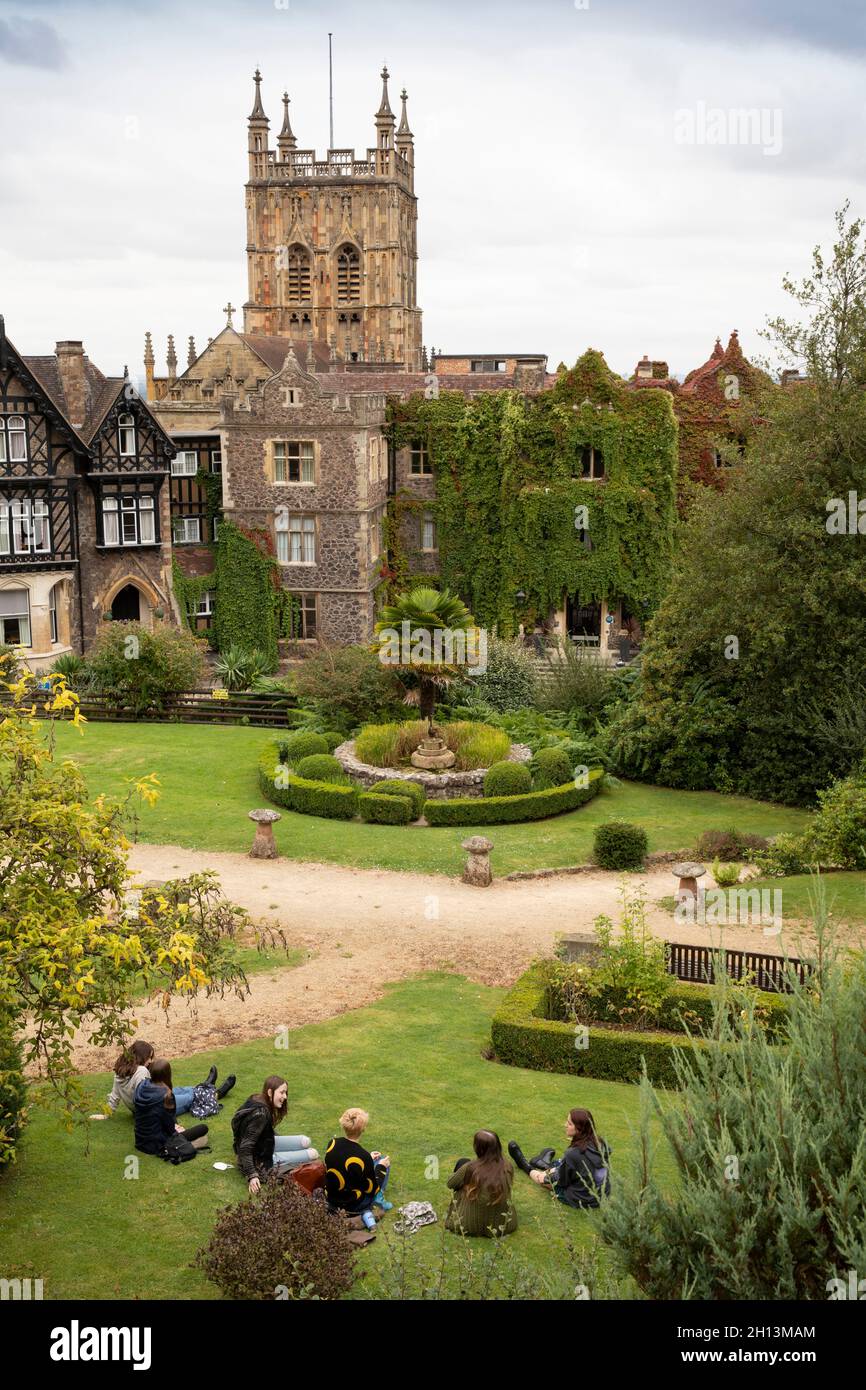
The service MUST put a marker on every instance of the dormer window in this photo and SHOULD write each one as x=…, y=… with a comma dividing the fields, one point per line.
x=13, y=439
x=126, y=435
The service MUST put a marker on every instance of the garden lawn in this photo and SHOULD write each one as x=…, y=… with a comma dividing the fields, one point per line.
x=72, y=1218
x=845, y=892
x=208, y=783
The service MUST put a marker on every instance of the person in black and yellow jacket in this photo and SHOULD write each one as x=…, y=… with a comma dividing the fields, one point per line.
x=355, y=1180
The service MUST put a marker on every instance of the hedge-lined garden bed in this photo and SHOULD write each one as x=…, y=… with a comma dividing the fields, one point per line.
x=301, y=793
x=499, y=810
x=523, y=1036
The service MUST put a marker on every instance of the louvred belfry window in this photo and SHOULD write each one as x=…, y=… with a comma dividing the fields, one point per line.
x=299, y=276
x=348, y=275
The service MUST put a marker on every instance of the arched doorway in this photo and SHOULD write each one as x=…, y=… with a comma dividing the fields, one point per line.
x=126, y=607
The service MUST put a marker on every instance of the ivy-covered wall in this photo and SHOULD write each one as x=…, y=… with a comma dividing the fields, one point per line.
x=250, y=604
x=507, y=470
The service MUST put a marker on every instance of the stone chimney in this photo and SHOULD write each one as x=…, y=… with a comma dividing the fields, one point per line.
x=644, y=369
x=70, y=363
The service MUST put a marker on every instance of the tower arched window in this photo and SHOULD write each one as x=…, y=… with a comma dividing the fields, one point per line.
x=348, y=275
x=299, y=275
x=126, y=436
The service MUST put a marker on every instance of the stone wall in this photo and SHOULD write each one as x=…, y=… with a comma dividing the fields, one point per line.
x=439, y=786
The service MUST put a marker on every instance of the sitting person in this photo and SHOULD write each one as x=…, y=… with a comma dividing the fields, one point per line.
x=259, y=1150
x=355, y=1180
x=130, y=1069
x=183, y=1095
x=481, y=1205
x=581, y=1175
x=156, y=1113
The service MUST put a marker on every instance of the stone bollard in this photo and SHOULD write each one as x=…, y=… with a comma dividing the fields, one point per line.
x=477, y=871
x=264, y=845
x=688, y=874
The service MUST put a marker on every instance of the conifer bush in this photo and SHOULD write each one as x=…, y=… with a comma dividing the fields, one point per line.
x=618, y=845
x=770, y=1194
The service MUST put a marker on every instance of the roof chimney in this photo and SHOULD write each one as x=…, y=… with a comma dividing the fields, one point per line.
x=70, y=364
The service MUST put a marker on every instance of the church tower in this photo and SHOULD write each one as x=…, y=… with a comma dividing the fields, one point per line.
x=332, y=244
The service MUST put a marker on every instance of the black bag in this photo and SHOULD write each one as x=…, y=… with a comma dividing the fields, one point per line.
x=204, y=1102
x=178, y=1149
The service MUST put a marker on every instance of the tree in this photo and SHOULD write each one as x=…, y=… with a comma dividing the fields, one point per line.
x=347, y=686
x=421, y=634
x=769, y=1149
x=140, y=667
x=75, y=950
x=763, y=630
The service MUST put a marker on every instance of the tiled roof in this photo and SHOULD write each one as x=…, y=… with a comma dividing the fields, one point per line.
x=272, y=351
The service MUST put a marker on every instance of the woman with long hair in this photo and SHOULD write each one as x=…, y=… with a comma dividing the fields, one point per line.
x=156, y=1113
x=581, y=1177
x=130, y=1069
x=481, y=1205
x=259, y=1149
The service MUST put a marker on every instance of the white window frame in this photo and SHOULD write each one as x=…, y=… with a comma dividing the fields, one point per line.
x=297, y=539
x=184, y=524
x=185, y=471
x=26, y=638
x=428, y=528
x=128, y=520
x=216, y=458
x=306, y=462
x=52, y=615
x=205, y=605
x=13, y=431
x=125, y=428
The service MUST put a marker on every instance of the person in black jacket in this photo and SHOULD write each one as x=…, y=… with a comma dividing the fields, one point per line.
x=259, y=1150
x=155, y=1113
x=581, y=1176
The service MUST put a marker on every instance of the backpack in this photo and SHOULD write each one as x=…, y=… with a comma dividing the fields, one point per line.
x=204, y=1102
x=178, y=1149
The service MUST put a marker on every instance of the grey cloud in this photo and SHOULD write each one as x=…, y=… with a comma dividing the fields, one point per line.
x=31, y=43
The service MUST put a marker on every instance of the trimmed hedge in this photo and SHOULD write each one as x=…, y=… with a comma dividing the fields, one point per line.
x=333, y=740
x=302, y=745
x=312, y=798
x=501, y=810
x=523, y=1037
x=619, y=845
x=320, y=767
x=412, y=791
x=551, y=767
x=385, y=810
x=688, y=1007
x=507, y=779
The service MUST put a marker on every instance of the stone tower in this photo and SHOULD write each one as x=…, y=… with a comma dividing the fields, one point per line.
x=331, y=243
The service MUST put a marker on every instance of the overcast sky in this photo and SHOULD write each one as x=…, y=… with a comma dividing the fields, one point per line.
x=582, y=176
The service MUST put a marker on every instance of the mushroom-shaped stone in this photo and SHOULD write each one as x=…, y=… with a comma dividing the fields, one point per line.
x=688, y=874
x=477, y=870
x=264, y=845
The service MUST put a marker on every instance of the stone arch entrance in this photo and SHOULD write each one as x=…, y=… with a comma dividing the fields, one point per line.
x=126, y=606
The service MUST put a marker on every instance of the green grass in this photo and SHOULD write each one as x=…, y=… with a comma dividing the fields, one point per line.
x=846, y=896
x=208, y=784
x=413, y=1060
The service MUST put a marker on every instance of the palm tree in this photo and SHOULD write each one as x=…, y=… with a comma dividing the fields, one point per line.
x=407, y=631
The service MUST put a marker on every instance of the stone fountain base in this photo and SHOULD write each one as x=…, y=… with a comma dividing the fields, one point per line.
x=441, y=786
x=433, y=755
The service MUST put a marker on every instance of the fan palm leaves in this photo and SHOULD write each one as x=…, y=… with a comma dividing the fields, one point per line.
x=407, y=630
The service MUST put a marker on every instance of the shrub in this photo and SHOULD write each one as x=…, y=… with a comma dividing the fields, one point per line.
x=301, y=745
x=508, y=682
x=387, y=745
x=348, y=686
x=726, y=875
x=618, y=845
x=577, y=681
x=837, y=834
x=320, y=767
x=332, y=739
x=308, y=797
x=476, y=745
x=503, y=810
x=385, y=810
x=10, y=668
x=727, y=845
x=630, y=980
x=13, y=1093
x=241, y=669
x=280, y=1240
x=413, y=790
x=166, y=661
x=507, y=779
x=786, y=854
x=73, y=668
x=551, y=767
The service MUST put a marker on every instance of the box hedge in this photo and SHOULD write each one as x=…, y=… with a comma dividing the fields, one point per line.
x=688, y=1007
x=385, y=810
x=507, y=779
x=413, y=791
x=302, y=745
x=321, y=767
x=551, y=767
x=501, y=810
x=619, y=845
x=311, y=798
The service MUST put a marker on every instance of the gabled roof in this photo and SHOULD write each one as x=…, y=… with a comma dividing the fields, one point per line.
x=100, y=394
x=272, y=351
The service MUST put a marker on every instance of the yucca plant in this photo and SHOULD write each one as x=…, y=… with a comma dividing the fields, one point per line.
x=426, y=612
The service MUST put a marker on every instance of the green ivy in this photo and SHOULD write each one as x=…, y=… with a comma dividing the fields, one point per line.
x=251, y=605
x=506, y=493
x=189, y=591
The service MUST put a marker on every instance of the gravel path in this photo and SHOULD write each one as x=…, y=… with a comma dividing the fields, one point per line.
x=365, y=928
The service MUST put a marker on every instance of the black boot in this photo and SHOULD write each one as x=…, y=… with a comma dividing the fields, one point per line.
x=226, y=1086
x=519, y=1157
x=210, y=1079
x=543, y=1159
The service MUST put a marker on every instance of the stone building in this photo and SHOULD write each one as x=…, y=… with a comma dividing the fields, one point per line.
x=84, y=513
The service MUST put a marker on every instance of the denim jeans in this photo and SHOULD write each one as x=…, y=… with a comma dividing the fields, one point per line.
x=367, y=1202
x=183, y=1098
x=291, y=1150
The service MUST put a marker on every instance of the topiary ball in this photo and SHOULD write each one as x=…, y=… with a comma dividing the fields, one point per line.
x=333, y=740
x=412, y=791
x=507, y=779
x=552, y=768
x=618, y=845
x=320, y=767
x=302, y=745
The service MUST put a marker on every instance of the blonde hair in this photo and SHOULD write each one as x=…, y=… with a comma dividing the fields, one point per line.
x=354, y=1120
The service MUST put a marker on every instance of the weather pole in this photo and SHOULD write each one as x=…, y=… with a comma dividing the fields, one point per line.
x=331, y=87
